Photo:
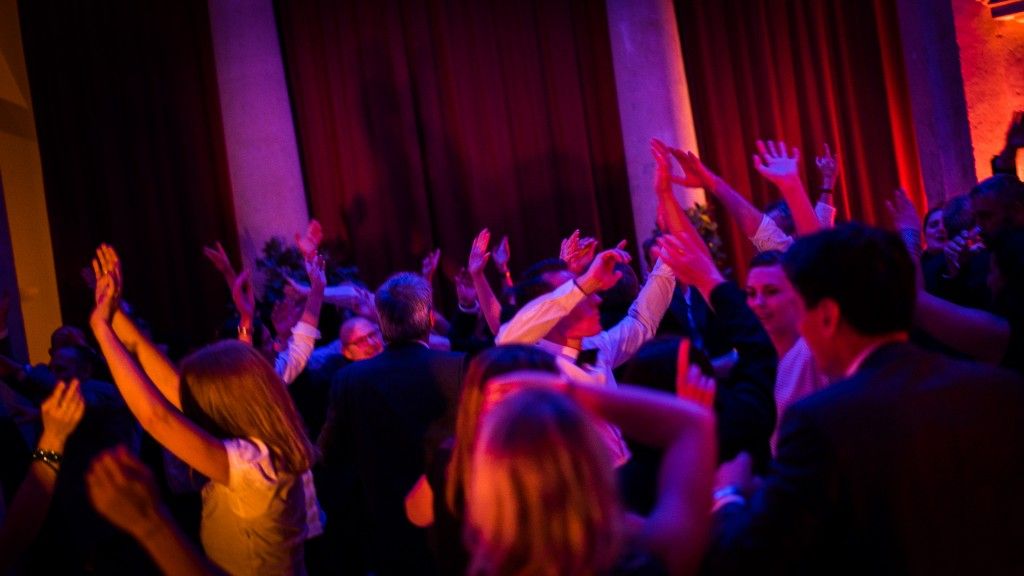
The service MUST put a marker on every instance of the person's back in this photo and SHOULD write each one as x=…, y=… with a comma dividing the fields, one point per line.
x=384, y=413
x=921, y=470
x=910, y=463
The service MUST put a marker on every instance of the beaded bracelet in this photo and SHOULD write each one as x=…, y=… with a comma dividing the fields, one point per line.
x=48, y=457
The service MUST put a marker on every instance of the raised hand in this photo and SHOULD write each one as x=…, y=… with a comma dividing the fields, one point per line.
x=309, y=241
x=219, y=258
x=695, y=173
x=123, y=491
x=602, y=275
x=691, y=383
x=430, y=264
x=478, y=254
x=828, y=169
x=502, y=255
x=691, y=261
x=244, y=297
x=577, y=252
x=776, y=164
x=107, y=269
x=365, y=305
x=61, y=413
x=464, y=289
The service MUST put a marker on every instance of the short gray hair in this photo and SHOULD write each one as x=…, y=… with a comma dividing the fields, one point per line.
x=404, y=303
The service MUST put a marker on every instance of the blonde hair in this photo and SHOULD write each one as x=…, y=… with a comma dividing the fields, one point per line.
x=486, y=365
x=231, y=390
x=542, y=498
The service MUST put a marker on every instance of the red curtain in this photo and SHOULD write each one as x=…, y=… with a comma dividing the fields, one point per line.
x=421, y=122
x=128, y=119
x=807, y=72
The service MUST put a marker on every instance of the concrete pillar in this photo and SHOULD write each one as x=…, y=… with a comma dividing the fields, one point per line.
x=263, y=157
x=654, y=101
x=937, y=105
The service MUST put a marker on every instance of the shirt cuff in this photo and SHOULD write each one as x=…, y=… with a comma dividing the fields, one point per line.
x=305, y=329
x=471, y=310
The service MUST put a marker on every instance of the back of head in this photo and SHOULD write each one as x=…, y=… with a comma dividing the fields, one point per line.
x=230, y=390
x=1005, y=187
x=534, y=283
x=766, y=259
x=542, y=499
x=866, y=271
x=779, y=212
x=404, y=306
x=488, y=364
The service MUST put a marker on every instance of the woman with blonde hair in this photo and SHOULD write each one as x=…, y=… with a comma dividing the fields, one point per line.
x=542, y=497
x=228, y=416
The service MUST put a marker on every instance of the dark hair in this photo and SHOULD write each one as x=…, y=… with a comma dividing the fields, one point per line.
x=866, y=271
x=957, y=215
x=766, y=259
x=781, y=207
x=928, y=215
x=532, y=283
x=403, y=307
x=1005, y=187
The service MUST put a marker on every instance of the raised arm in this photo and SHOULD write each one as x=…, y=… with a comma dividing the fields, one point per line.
x=219, y=258
x=292, y=361
x=501, y=258
x=828, y=172
x=151, y=408
x=782, y=168
x=61, y=413
x=490, y=307
x=156, y=365
x=537, y=318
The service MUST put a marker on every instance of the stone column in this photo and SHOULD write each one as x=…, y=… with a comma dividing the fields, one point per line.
x=263, y=157
x=936, y=90
x=654, y=101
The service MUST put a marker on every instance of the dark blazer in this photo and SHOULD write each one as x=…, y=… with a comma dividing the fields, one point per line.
x=914, y=465
x=384, y=412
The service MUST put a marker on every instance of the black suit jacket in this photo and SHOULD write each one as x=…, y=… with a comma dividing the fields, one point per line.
x=914, y=465
x=384, y=412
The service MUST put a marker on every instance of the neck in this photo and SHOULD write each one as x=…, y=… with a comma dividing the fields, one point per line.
x=857, y=344
x=783, y=341
x=559, y=337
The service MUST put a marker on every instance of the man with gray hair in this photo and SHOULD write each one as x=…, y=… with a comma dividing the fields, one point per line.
x=384, y=414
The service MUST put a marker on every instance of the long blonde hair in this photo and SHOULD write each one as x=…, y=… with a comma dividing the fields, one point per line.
x=542, y=497
x=230, y=390
x=486, y=365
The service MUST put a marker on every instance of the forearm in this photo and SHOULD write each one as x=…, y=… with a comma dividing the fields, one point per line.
x=489, y=305
x=291, y=362
x=804, y=217
x=977, y=333
x=674, y=213
x=157, y=366
x=652, y=418
x=143, y=398
x=26, y=513
x=747, y=216
x=537, y=318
